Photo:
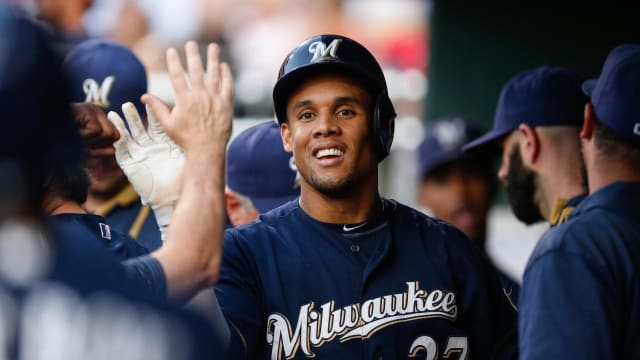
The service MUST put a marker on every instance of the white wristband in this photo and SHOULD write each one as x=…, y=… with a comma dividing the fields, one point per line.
x=163, y=218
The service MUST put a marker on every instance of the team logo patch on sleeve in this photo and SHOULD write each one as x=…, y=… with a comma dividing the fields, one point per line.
x=105, y=231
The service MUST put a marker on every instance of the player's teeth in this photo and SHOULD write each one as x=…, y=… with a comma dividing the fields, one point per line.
x=328, y=152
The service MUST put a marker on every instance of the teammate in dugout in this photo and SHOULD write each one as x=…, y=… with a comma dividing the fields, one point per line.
x=106, y=73
x=65, y=189
x=344, y=273
x=459, y=187
x=260, y=175
x=536, y=124
x=67, y=186
x=583, y=274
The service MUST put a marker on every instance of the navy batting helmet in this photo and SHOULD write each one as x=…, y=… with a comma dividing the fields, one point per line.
x=336, y=53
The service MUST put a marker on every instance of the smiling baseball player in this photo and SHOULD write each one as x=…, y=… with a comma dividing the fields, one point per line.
x=344, y=273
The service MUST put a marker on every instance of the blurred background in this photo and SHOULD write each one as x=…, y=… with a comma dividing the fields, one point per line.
x=441, y=58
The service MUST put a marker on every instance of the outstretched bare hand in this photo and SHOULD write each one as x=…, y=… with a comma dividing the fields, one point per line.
x=203, y=111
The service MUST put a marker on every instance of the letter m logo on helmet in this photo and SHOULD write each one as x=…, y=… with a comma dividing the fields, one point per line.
x=322, y=52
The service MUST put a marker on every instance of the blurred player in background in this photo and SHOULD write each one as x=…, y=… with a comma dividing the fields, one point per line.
x=108, y=74
x=63, y=296
x=66, y=189
x=581, y=290
x=260, y=175
x=66, y=17
x=459, y=187
x=537, y=122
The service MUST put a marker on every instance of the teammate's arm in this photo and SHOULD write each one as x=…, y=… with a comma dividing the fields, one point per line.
x=191, y=252
x=200, y=123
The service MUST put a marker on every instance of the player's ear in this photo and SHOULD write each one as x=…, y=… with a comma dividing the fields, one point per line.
x=233, y=207
x=529, y=144
x=285, y=132
x=506, y=145
x=589, y=122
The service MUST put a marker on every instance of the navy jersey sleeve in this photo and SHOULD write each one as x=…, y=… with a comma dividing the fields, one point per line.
x=238, y=292
x=125, y=247
x=86, y=299
x=565, y=292
x=149, y=274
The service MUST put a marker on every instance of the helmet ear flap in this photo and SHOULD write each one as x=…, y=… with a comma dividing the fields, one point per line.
x=383, y=124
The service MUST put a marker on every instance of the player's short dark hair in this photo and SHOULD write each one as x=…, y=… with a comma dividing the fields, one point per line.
x=612, y=145
x=70, y=182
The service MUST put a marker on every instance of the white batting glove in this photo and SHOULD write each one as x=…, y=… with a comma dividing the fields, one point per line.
x=152, y=162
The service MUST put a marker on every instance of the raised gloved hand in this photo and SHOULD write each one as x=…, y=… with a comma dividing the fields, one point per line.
x=152, y=162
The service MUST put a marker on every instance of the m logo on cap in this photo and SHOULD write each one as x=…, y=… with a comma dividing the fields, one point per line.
x=322, y=52
x=450, y=134
x=98, y=93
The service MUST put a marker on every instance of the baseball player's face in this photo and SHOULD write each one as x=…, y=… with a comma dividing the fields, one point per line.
x=329, y=133
x=519, y=182
x=460, y=194
x=106, y=177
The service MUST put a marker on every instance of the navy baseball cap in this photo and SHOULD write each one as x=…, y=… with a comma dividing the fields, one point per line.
x=259, y=168
x=106, y=73
x=443, y=142
x=615, y=95
x=544, y=96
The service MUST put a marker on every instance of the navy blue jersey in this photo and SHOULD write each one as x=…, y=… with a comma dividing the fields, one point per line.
x=580, y=297
x=126, y=213
x=117, y=243
x=143, y=271
x=400, y=285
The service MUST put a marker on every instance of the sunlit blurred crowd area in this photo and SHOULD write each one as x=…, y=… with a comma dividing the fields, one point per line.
x=255, y=34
